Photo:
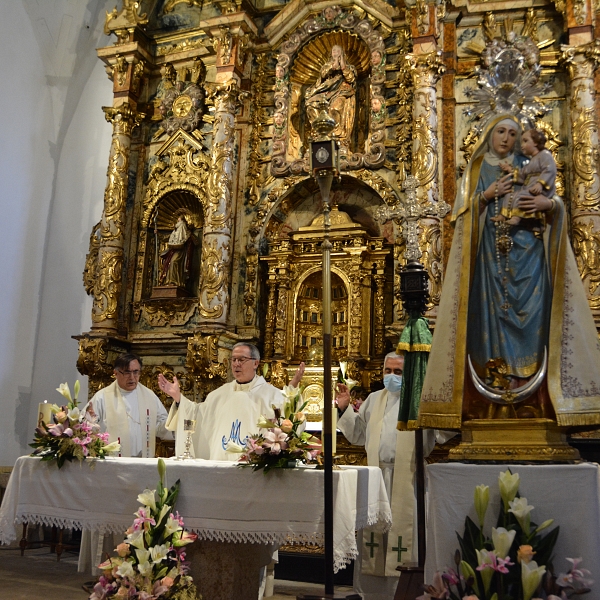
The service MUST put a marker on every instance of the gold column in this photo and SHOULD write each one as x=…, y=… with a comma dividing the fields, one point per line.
x=281, y=315
x=216, y=245
x=379, y=310
x=581, y=58
x=109, y=268
x=356, y=277
x=427, y=67
x=270, y=319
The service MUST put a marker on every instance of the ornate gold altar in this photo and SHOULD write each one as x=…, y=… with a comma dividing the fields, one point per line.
x=211, y=227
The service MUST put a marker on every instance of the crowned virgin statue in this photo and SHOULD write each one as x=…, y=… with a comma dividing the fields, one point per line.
x=513, y=309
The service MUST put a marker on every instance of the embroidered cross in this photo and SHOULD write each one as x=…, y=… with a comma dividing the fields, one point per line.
x=372, y=545
x=399, y=548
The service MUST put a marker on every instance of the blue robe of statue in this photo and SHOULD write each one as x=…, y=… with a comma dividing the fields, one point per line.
x=509, y=310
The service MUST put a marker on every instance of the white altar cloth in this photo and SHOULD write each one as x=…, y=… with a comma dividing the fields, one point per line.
x=569, y=494
x=217, y=500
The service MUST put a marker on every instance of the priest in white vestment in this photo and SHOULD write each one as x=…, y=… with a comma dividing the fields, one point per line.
x=134, y=416
x=374, y=426
x=229, y=413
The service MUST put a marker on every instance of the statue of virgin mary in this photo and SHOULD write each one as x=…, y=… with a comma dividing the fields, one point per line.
x=508, y=294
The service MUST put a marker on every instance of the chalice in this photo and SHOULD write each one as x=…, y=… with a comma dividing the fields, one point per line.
x=189, y=425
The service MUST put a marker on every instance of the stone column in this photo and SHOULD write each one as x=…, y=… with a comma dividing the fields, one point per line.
x=109, y=268
x=216, y=244
x=581, y=61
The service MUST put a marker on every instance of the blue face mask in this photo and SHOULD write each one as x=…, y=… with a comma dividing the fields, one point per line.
x=392, y=382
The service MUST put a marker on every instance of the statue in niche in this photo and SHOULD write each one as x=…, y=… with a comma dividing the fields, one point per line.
x=176, y=260
x=337, y=86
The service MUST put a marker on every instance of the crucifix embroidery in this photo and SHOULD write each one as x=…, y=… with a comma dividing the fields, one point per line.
x=399, y=548
x=372, y=545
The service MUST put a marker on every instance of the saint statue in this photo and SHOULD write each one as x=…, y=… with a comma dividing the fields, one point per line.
x=337, y=86
x=176, y=260
x=512, y=292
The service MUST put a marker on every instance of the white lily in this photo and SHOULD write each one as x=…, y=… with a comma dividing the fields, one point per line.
x=74, y=414
x=521, y=510
x=485, y=558
x=147, y=498
x=171, y=526
x=145, y=568
x=290, y=392
x=159, y=553
x=531, y=576
x=264, y=423
x=509, y=486
x=136, y=539
x=545, y=524
x=112, y=447
x=233, y=447
x=76, y=388
x=65, y=391
x=126, y=569
x=502, y=540
x=482, y=499
x=467, y=571
x=55, y=408
x=142, y=554
x=344, y=368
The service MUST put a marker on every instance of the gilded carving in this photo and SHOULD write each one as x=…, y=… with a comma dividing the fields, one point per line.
x=149, y=378
x=120, y=22
x=585, y=159
x=180, y=47
x=315, y=31
x=123, y=118
x=171, y=4
x=115, y=193
x=107, y=285
x=202, y=358
x=160, y=313
x=586, y=241
x=214, y=279
x=93, y=355
x=250, y=284
x=91, y=259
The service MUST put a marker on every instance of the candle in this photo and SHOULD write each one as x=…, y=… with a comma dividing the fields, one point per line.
x=334, y=417
x=44, y=413
x=119, y=441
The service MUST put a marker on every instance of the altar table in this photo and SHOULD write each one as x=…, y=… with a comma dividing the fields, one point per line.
x=218, y=500
x=569, y=494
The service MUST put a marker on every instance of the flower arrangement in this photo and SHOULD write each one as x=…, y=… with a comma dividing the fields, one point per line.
x=151, y=561
x=514, y=563
x=70, y=435
x=280, y=441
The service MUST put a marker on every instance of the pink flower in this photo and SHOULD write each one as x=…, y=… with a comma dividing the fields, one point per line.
x=167, y=582
x=144, y=517
x=254, y=447
x=68, y=432
x=104, y=437
x=576, y=578
x=56, y=430
x=61, y=416
x=123, y=550
x=436, y=591
x=451, y=577
x=275, y=440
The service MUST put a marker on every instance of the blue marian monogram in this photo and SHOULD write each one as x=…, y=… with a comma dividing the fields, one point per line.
x=234, y=436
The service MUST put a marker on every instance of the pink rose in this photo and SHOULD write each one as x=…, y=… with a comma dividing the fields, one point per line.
x=123, y=550
x=286, y=426
x=122, y=592
x=300, y=416
x=167, y=581
x=61, y=416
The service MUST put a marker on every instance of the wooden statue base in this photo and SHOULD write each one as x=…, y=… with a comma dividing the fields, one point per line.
x=513, y=440
x=169, y=291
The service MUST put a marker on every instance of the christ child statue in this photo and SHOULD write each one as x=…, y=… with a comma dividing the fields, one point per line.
x=538, y=176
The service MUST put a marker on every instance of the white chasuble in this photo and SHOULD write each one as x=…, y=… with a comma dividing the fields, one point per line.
x=121, y=418
x=382, y=553
x=229, y=414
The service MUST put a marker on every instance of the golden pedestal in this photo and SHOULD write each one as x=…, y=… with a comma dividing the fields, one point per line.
x=513, y=440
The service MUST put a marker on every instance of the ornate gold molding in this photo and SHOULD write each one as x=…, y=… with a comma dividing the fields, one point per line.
x=202, y=360
x=91, y=259
x=174, y=312
x=123, y=118
x=108, y=285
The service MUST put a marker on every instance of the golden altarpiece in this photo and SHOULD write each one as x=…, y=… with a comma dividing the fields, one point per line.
x=212, y=224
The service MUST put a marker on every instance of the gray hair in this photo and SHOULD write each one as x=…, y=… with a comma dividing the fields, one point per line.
x=392, y=355
x=254, y=352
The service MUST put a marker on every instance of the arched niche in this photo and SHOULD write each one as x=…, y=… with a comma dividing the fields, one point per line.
x=175, y=250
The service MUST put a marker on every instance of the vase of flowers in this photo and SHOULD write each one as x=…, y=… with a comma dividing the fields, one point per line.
x=70, y=435
x=281, y=442
x=150, y=562
x=514, y=563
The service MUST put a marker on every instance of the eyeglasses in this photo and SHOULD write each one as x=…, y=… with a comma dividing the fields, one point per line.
x=241, y=359
x=134, y=373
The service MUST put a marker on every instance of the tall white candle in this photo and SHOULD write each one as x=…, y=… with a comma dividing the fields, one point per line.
x=334, y=417
x=44, y=413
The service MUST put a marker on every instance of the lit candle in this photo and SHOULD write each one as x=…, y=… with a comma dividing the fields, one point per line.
x=44, y=413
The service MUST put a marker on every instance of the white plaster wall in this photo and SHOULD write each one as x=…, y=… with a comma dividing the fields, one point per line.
x=54, y=145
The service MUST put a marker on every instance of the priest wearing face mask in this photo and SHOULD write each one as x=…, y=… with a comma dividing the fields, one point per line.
x=374, y=426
